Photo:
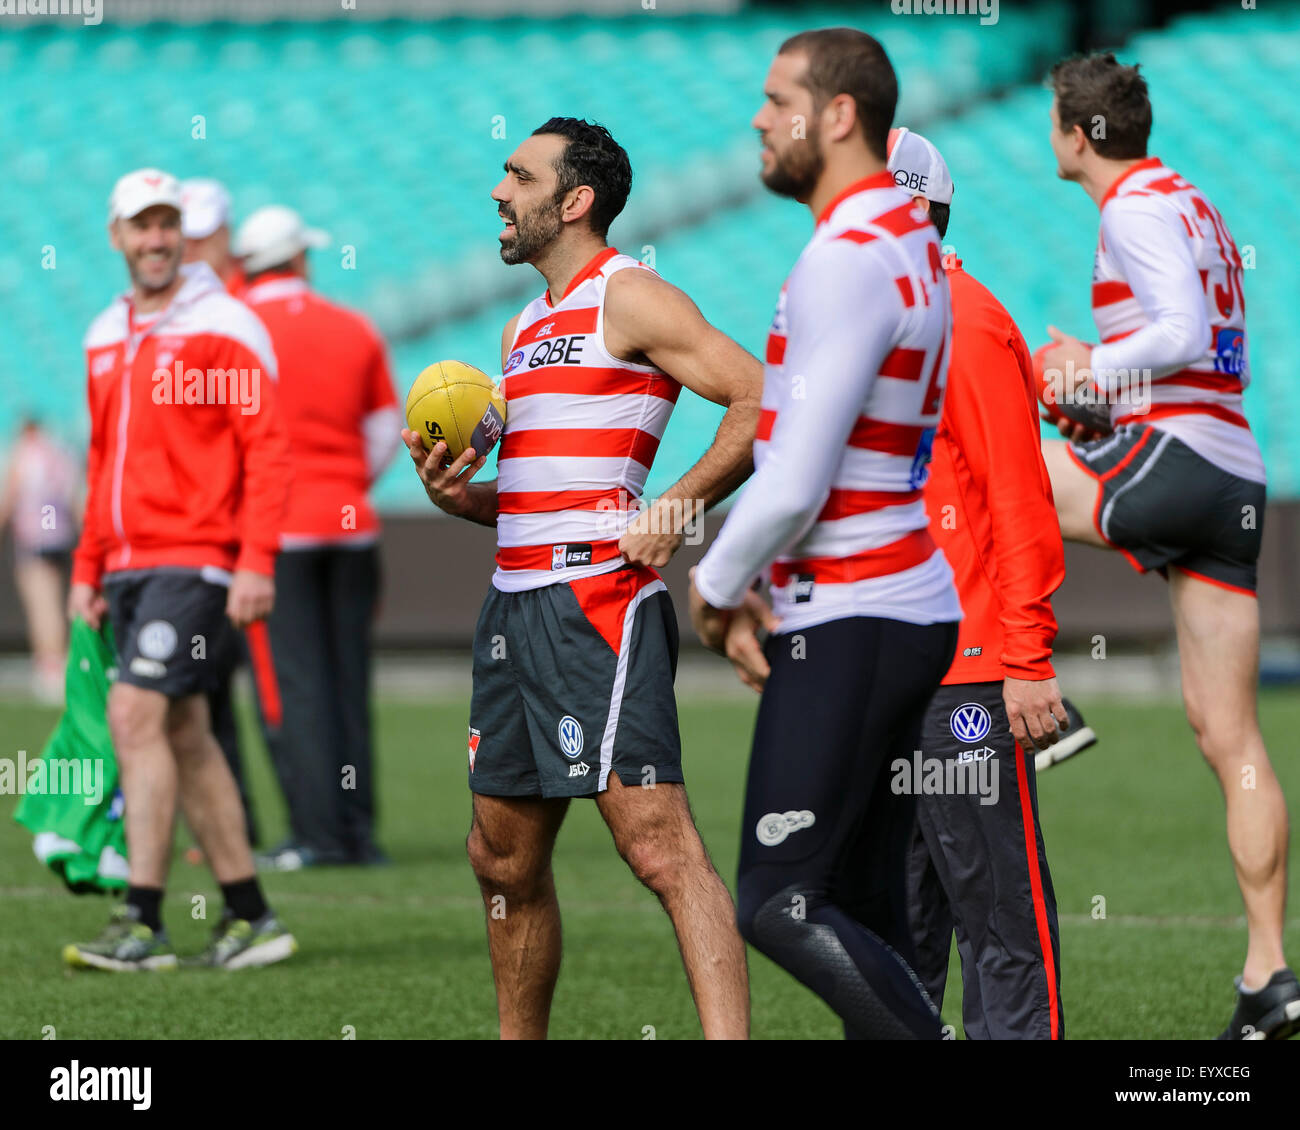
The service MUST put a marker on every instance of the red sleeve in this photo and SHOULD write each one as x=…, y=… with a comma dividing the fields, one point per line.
x=996, y=427
x=379, y=392
x=264, y=464
x=88, y=559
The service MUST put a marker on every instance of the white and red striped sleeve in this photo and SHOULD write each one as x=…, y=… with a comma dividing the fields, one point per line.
x=1146, y=239
x=844, y=314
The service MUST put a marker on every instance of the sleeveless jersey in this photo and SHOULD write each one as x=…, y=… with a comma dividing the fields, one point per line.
x=582, y=429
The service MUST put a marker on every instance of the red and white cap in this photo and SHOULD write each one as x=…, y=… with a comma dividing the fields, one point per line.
x=143, y=189
x=917, y=166
x=274, y=235
x=205, y=207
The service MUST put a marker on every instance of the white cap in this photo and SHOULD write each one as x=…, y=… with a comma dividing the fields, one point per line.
x=205, y=207
x=918, y=167
x=274, y=235
x=143, y=189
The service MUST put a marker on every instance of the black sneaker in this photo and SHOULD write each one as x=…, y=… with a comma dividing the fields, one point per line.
x=1270, y=1013
x=1074, y=740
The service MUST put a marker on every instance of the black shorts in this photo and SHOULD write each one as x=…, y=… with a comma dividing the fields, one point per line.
x=573, y=681
x=1161, y=504
x=170, y=629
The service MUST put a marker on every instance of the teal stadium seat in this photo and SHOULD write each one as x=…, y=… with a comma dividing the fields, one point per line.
x=383, y=134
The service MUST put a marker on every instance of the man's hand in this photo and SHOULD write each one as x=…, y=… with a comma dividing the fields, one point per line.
x=1070, y=362
x=446, y=487
x=250, y=598
x=710, y=623
x=742, y=645
x=88, y=603
x=655, y=534
x=1035, y=711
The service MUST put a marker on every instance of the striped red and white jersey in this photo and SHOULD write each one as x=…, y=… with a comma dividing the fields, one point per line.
x=857, y=360
x=582, y=429
x=1170, y=311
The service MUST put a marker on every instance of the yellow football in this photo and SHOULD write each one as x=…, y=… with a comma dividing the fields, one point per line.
x=456, y=404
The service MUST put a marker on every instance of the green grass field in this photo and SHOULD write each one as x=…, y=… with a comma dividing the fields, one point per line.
x=400, y=952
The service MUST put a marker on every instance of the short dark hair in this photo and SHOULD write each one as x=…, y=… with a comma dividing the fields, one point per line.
x=1097, y=89
x=843, y=60
x=592, y=157
x=939, y=214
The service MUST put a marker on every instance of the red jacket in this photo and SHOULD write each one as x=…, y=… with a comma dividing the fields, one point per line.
x=333, y=379
x=189, y=464
x=989, y=497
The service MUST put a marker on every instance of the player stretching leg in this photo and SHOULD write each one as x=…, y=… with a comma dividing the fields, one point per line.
x=576, y=646
x=181, y=532
x=856, y=363
x=1179, y=487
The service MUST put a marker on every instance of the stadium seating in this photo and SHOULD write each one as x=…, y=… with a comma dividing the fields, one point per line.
x=389, y=136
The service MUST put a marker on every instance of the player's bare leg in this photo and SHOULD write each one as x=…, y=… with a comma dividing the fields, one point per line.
x=1075, y=494
x=208, y=793
x=655, y=833
x=137, y=721
x=510, y=844
x=1218, y=647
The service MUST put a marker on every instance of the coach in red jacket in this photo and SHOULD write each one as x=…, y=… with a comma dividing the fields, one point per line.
x=313, y=679
x=978, y=863
x=188, y=476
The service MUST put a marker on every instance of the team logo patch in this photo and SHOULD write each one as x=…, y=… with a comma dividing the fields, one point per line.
x=474, y=736
x=801, y=587
x=514, y=361
x=1230, y=351
x=570, y=736
x=970, y=723
x=147, y=668
x=568, y=556
x=157, y=640
x=776, y=826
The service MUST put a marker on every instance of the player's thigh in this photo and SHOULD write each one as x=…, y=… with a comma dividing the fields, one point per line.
x=840, y=701
x=1218, y=652
x=651, y=824
x=511, y=838
x=1075, y=493
x=136, y=715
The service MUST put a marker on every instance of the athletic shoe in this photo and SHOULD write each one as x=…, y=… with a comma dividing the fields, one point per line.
x=126, y=945
x=1075, y=740
x=240, y=944
x=297, y=857
x=1270, y=1013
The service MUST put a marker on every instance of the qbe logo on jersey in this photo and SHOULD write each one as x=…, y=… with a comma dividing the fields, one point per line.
x=570, y=736
x=970, y=723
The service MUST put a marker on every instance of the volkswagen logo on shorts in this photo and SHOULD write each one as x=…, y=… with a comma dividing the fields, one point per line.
x=157, y=640
x=970, y=722
x=570, y=736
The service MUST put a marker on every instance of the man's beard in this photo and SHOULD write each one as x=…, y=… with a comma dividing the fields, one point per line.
x=534, y=232
x=137, y=276
x=796, y=172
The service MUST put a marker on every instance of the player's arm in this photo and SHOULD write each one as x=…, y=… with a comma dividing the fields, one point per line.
x=267, y=478
x=843, y=311
x=447, y=481
x=647, y=317
x=993, y=424
x=382, y=422
x=1152, y=250
x=84, y=598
